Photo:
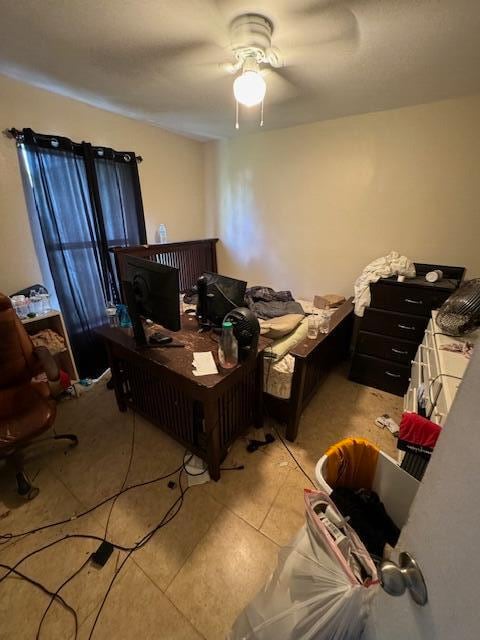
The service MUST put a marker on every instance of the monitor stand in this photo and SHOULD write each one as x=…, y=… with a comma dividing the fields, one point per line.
x=156, y=340
x=159, y=339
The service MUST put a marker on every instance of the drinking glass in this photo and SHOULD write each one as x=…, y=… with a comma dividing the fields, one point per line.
x=312, y=331
x=323, y=322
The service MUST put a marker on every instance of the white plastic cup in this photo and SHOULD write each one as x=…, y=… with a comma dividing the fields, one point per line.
x=434, y=276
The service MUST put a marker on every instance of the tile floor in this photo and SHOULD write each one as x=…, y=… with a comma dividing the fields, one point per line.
x=197, y=573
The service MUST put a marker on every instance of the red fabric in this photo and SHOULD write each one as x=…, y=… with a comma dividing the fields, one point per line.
x=418, y=430
x=65, y=379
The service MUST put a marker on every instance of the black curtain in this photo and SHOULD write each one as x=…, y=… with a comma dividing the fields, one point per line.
x=86, y=199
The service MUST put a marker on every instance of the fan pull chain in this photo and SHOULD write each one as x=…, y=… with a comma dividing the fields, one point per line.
x=237, y=126
x=261, y=115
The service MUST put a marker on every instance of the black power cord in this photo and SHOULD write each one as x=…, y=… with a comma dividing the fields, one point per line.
x=127, y=472
x=314, y=485
x=12, y=536
x=130, y=549
x=168, y=516
x=55, y=594
x=40, y=586
x=141, y=543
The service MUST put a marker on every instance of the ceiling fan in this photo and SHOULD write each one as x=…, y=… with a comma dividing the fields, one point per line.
x=257, y=61
x=251, y=42
x=271, y=57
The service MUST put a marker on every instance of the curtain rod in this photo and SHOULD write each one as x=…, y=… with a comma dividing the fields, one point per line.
x=16, y=134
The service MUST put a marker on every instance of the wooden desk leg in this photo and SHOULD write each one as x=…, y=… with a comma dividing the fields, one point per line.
x=295, y=409
x=258, y=418
x=116, y=380
x=212, y=429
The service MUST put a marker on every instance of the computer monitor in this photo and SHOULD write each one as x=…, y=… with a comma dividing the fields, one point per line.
x=217, y=295
x=152, y=292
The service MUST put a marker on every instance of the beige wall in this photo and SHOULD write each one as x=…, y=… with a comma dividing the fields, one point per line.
x=304, y=208
x=308, y=207
x=171, y=173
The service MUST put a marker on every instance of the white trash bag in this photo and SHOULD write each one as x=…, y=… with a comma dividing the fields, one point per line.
x=321, y=588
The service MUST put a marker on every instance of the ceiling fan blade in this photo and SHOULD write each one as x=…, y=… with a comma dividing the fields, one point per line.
x=327, y=22
x=281, y=86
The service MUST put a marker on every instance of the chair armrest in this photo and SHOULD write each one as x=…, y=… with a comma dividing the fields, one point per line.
x=48, y=363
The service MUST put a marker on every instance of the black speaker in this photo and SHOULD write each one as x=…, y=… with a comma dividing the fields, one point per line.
x=202, y=301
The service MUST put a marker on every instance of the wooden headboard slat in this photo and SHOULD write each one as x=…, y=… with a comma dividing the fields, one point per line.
x=191, y=258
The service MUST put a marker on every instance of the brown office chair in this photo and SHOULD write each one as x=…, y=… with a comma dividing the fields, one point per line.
x=26, y=408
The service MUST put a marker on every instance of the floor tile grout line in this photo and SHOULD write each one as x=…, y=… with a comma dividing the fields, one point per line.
x=237, y=515
x=166, y=596
x=101, y=596
x=274, y=498
x=196, y=545
x=80, y=501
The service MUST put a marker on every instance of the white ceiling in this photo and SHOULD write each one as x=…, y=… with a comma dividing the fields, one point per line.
x=158, y=60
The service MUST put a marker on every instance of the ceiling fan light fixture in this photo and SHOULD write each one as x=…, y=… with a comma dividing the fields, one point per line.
x=249, y=88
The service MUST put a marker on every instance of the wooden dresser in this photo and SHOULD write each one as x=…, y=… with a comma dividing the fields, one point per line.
x=393, y=326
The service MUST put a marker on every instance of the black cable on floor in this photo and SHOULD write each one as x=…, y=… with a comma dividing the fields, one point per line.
x=52, y=544
x=11, y=536
x=138, y=545
x=129, y=466
x=294, y=458
x=40, y=586
x=239, y=467
x=314, y=485
x=55, y=595
x=52, y=599
x=165, y=520
x=142, y=542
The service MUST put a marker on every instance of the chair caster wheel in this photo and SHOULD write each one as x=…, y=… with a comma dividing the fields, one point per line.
x=32, y=493
x=25, y=488
x=72, y=439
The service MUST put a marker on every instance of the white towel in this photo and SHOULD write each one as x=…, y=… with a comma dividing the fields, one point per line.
x=391, y=265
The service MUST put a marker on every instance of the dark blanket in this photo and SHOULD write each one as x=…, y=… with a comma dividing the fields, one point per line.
x=368, y=517
x=267, y=303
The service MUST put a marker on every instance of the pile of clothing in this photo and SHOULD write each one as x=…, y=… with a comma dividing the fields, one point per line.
x=49, y=339
x=391, y=265
x=267, y=303
x=367, y=516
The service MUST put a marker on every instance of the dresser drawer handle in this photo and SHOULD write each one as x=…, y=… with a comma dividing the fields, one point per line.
x=406, y=326
x=410, y=301
x=393, y=375
x=400, y=352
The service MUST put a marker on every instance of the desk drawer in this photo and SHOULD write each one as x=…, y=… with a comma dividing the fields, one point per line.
x=397, y=325
x=381, y=374
x=405, y=298
x=373, y=344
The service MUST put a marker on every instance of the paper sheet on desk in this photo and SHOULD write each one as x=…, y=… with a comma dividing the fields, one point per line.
x=204, y=364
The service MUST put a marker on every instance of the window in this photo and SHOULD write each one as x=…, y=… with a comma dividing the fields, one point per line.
x=82, y=200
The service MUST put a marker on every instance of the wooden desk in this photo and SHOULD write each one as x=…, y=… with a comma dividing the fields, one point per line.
x=207, y=413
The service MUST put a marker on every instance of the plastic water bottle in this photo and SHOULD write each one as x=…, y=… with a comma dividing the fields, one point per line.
x=111, y=313
x=228, y=347
x=123, y=316
x=162, y=234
